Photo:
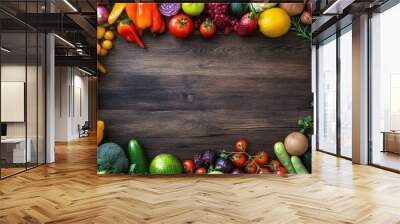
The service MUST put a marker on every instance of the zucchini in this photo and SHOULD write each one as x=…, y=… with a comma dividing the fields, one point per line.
x=298, y=165
x=283, y=157
x=137, y=156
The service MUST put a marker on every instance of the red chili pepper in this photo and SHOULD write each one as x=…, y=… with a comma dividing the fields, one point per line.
x=128, y=31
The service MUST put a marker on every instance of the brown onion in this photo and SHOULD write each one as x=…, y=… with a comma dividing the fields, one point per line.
x=293, y=9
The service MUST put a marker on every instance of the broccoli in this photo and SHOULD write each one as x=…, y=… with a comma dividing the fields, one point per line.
x=111, y=158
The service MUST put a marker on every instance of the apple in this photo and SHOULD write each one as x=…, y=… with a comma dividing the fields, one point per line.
x=193, y=9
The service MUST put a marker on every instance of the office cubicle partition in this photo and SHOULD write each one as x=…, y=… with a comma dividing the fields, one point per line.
x=22, y=77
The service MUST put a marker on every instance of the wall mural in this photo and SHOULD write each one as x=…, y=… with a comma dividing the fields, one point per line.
x=195, y=88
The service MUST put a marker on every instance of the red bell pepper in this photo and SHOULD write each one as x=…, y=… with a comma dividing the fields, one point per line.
x=129, y=32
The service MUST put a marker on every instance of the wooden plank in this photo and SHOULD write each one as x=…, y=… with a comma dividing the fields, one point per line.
x=185, y=96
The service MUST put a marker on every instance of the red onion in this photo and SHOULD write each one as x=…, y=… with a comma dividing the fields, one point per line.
x=102, y=14
x=169, y=9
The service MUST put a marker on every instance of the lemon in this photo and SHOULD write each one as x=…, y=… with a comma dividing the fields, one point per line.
x=103, y=52
x=109, y=35
x=100, y=32
x=107, y=44
x=274, y=22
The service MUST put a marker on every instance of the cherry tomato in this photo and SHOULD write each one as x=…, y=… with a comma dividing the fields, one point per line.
x=275, y=164
x=201, y=170
x=188, y=166
x=241, y=145
x=181, y=26
x=239, y=159
x=261, y=158
x=250, y=167
x=281, y=171
x=208, y=29
x=264, y=171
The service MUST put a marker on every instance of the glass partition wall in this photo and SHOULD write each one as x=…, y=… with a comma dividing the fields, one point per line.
x=22, y=87
x=385, y=89
x=334, y=94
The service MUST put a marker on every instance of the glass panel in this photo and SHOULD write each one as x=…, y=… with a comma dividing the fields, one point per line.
x=346, y=94
x=385, y=89
x=327, y=96
x=13, y=89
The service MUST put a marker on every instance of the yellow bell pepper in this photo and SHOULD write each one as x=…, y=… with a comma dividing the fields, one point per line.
x=101, y=68
x=116, y=12
x=100, y=131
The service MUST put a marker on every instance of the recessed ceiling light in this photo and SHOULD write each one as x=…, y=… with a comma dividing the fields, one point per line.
x=5, y=50
x=84, y=71
x=70, y=5
x=65, y=41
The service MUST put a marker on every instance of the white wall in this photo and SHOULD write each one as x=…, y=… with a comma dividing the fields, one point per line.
x=71, y=102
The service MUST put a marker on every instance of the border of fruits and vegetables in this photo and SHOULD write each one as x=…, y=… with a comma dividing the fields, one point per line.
x=129, y=20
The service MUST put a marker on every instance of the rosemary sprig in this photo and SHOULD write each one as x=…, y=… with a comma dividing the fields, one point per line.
x=300, y=29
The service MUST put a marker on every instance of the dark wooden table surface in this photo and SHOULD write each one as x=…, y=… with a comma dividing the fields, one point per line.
x=183, y=96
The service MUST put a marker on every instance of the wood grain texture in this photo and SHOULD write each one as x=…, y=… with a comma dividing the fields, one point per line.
x=183, y=96
x=69, y=191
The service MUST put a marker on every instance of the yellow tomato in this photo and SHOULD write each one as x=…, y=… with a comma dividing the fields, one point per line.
x=103, y=52
x=107, y=44
x=100, y=32
x=109, y=35
x=274, y=22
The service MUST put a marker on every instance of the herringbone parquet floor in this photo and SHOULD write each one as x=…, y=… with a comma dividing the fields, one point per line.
x=69, y=191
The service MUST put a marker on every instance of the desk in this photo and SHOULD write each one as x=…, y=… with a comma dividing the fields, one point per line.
x=391, y=141
x=17, y=150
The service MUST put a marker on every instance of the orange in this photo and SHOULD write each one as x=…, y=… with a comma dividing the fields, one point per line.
x=274, y=22
x=103, y=52
x=107, y=44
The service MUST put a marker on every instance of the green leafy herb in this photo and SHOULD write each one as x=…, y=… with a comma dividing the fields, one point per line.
x=301, y=29
x=306, y=125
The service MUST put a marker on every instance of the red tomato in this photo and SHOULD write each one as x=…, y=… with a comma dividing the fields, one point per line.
x=188, y=166
x=281, y=171
x=201, y=170
x=239, y=159
x=208, y=29
x=181, y=26
x=275, y=164
x=241, y=145
x=264, y=171
x=261, y=158
x=250, y=167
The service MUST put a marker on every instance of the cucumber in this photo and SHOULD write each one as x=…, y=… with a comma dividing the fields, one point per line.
x=137, y=156
x=283, y=157
x=298, y=165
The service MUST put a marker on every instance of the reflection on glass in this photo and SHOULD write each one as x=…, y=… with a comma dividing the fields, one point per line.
x=385, y=89
x=327, y=96
x=346, y=94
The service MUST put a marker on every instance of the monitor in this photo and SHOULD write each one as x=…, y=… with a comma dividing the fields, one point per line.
x=3, y=129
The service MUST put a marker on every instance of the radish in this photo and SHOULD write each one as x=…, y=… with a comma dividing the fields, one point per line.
x=247, y=24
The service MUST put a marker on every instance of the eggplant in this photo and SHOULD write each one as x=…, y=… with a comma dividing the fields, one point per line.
x=198, y=160
x=224, y=165
x=237, y=171
x=209, y=157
